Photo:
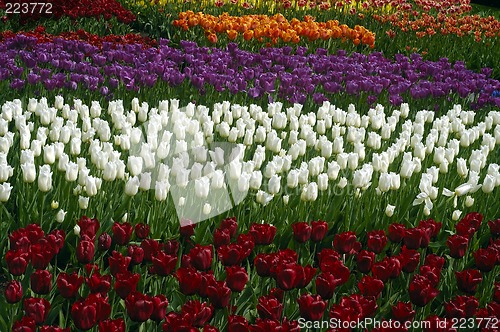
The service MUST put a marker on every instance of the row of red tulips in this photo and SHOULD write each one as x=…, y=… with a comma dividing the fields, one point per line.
x=125, y=263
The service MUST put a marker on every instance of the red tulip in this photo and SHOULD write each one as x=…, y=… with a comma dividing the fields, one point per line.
x=237, y=324
x=136, y=253
x=344, y=242
x=458, y=245
x=461, y=307
x=377, y=240
x=311, y=307
x=112, y=325
x=17, y=261
x=163, y=264
x=327, y=282
x=468, y=280
x=118, y=263
x=409, y=259
x=319, y=230
x=187, y=228
x=201, y=257
x=269, y=307
x=421, y=292
x=236, y=278
x=485, y=259
x=370, y=286
x=13, y=291
x=365, y=260
x=288, y=276
x=403, y=312
x=142, y=231
x=189, y=280
x=232, y=254
x=222, y=237
x=85, y=251
x=88, y=226
x=68, y=284
x=41, y=282
x=150, y=248
x=25, y=324
x=139, y=306
x=397, y=232
x=122, y=232
x=41, y=255
x=353, y=308
x=389, y=267
x=207, y=279
x=160, y=304
x=432, y=226
x=230, y=225
x=198, y=313
x=219, y=294
x=99, y=283
x=104, y=242
x=36, y=308
x=494, y=227
x=301, y=231
x=262, y=234
x=126, y=283
x=264, y=262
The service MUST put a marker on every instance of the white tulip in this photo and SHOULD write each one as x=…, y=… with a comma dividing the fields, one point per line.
x=91, y=186
x=456, y=215
x=244, y=182
x=322, y=182
x=389, y=210
x=293, y=178
x=45, y=178
x=61, y=214
x=333, y=170
x=76, y=230
x=256, y=180
x=489, y=184
x=263, y=198
x=202, y=187
x=145, y=181
x=161, y=190
x=342, y=182
x=286, y=199
x=5, y=190
x=309, y=192
x=83, y=203
x=29, y=172
x=132, y=186
x=274, y=185
x=134, y=165
x=75, y=146
x=218, y=179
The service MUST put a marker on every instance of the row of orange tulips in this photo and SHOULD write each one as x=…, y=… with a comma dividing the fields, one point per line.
x=274, y=27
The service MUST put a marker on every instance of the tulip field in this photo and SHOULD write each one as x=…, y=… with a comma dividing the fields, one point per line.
x=249, y=165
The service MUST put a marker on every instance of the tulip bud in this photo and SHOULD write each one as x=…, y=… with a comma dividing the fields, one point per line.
x=83, y=202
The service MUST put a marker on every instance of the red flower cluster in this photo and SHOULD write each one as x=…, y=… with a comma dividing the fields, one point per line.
x=111, y=266
x=93, y=39
x=74, y=9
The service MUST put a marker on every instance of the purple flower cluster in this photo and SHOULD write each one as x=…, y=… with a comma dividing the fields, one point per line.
x=272, y=72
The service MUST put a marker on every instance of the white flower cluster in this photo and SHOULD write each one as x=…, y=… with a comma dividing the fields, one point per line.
x=267, y=151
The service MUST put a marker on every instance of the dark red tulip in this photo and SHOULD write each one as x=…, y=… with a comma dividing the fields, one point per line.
x=126, y=283
x=309, y=273
x=353, y=308
x=485, y=259
x=189, y=280
x=432, y=274
x=327, y=282
x=207, y=279
x=17, y=261
x=377, y=241
x=403, y=312
x=369, y=286
x=461, y=307
x=139, y=306
x=414, y=237
x=85, y=251
x=99, y=283
x=201, y=257
x=164, y=264
x=435, y=261
x=301, y=231
x=41, y=255
x=311, y=307
x=219, y=294
x=118, y=263
x=344, y=242
x=136, y=253
x=230, y=225
x=246, y=242
x=222, y=237
x=262, y=234
x=236, y=278
x=326, y=258
x=160, y=304
x=263, y=263
x=365, y=260
x=142, y=231
x=237, y=324
x=469, y=224
x=199, y=313
x=150, y=248
x=433, y=227
x=13, y=292
x=36, y=308
x=88, y=227
x=170, y=247
x=269, y=307
x=409, y=259
x=187, y=229
x=112, y=325
x=389, y=267
x=458, y=245
x=68, y=284
x=56, y=239
x=468, y=280
x=25, y=324
x=122, y=232
x=84, y=314
x=41, y=282
x=494, y=227
x=421, y=292
x=104, y=242
x=319, y=230
x=232, y=254
x=288, y=276
x=397, y=232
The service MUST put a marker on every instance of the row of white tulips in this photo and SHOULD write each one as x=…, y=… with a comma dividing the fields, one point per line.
x=195, y=150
